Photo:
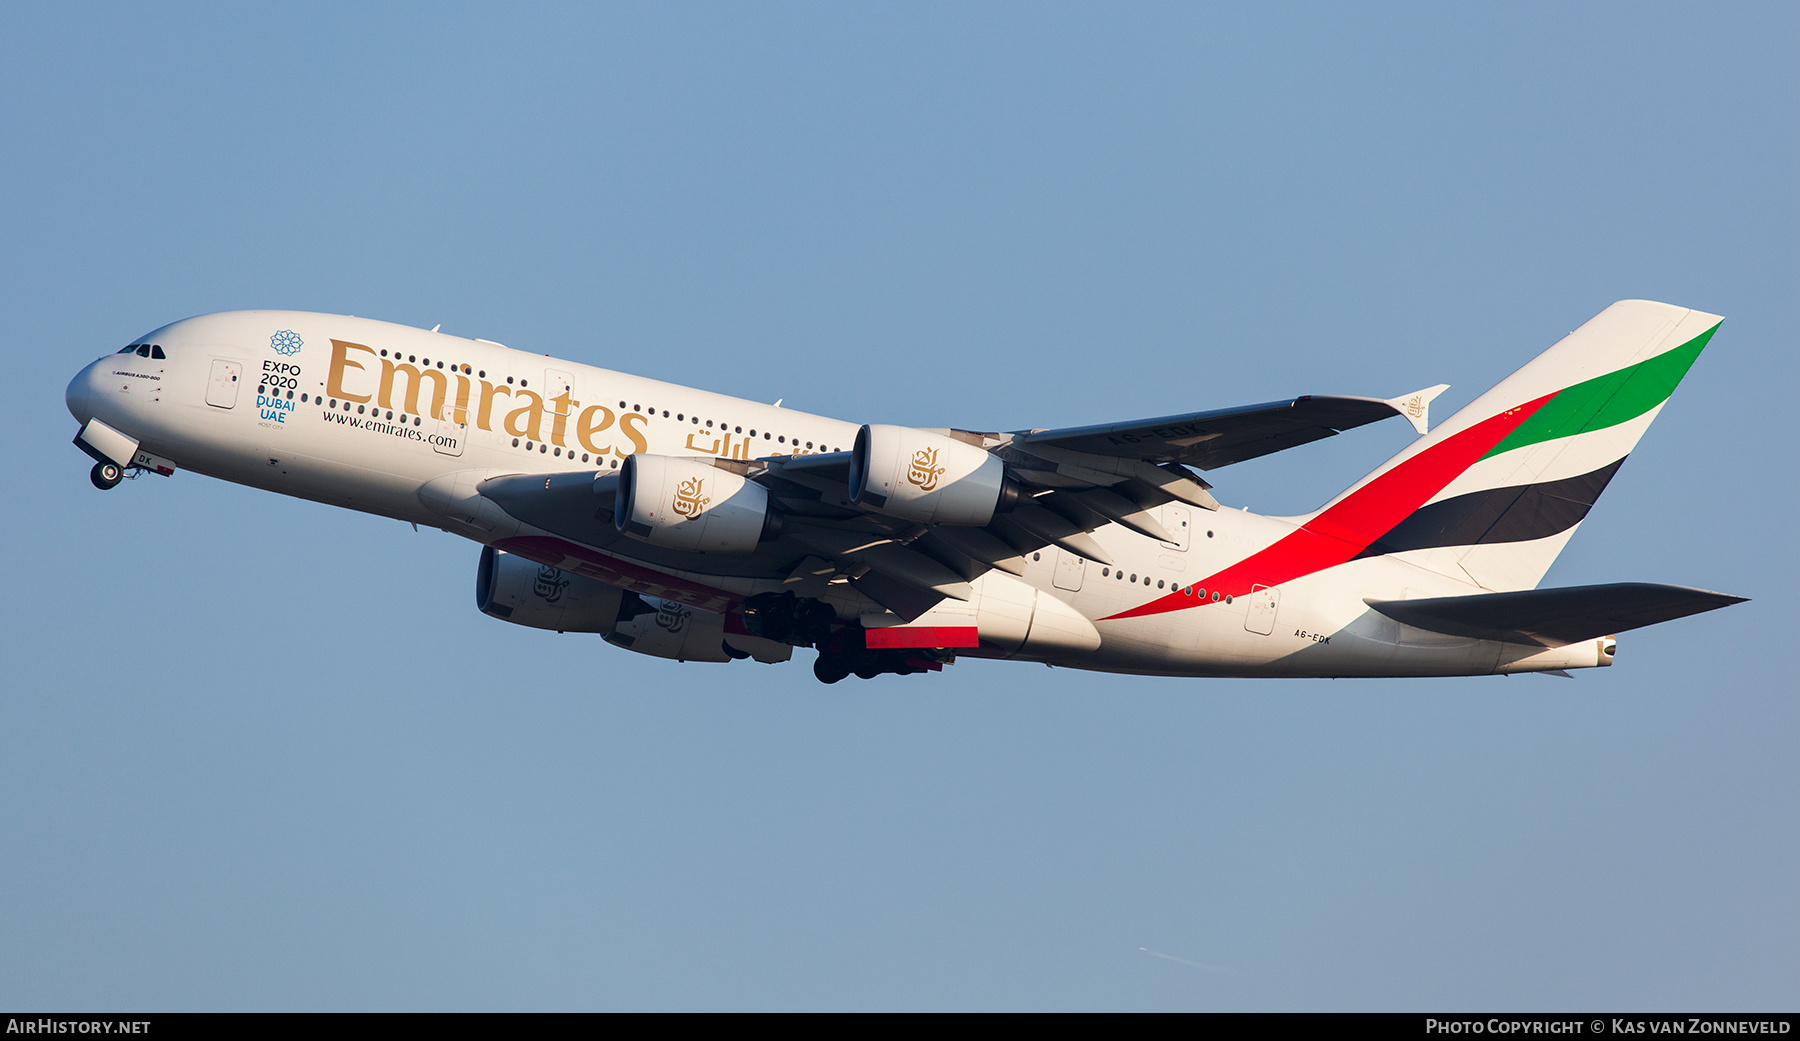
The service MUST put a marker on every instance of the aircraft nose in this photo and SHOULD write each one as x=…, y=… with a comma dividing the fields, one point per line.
x=80, y=395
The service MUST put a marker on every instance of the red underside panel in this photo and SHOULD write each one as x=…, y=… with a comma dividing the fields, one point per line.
x=901, y=636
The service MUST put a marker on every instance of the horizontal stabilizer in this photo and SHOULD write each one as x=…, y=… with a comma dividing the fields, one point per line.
x=1554, y=617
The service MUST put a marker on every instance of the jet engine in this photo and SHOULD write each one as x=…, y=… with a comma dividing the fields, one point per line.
x=928, y=477
x=514, y=589
x=666, y=629
x=691, y=504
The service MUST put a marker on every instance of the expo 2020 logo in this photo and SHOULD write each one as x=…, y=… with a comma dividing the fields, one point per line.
x=286, y=342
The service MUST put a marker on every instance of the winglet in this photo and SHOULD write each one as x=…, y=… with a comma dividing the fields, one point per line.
x=1416, y=407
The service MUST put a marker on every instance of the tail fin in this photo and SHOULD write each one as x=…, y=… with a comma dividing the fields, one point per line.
x=1494, y=493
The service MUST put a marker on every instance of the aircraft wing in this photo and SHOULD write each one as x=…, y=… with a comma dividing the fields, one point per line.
x=1065, y=484
x=1208, y=440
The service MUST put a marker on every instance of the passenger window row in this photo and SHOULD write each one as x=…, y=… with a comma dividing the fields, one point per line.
x=530, y=446
x=454, y=366
x=373, y=413
x=534, y=446
x=1161, y=584
x=780, y=439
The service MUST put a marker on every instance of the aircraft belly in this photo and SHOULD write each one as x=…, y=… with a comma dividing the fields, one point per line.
x=1321, y=627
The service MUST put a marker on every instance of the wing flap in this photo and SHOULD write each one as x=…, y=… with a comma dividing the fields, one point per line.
x=904, y=599
x=1116, y=507
x=1042, y=523
x=1554, y=617
x=886, y=556
x=978, y=544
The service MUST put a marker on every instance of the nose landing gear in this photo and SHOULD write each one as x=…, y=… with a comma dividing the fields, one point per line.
x=106, y=475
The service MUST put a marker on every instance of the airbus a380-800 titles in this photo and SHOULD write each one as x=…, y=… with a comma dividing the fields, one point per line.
x=695, y=526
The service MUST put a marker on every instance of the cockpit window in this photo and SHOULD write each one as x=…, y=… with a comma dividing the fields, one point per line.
x=128, y=350
x=156, y=351
x=143, y=350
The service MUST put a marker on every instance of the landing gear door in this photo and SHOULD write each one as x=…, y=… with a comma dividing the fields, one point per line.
x=222, y=389
x=1261, y=615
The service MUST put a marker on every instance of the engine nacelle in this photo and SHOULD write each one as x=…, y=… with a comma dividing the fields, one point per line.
x=690, y=504
x=516, y=590
x=672, y=630
x=667, y=629
x=927, y=477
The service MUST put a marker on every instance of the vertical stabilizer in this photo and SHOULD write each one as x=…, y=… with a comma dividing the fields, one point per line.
x=1493, y=494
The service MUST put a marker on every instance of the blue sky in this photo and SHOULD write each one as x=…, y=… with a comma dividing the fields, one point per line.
x=258, y=753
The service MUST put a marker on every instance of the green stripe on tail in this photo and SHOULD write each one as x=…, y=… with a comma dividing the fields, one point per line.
x=1607, y=400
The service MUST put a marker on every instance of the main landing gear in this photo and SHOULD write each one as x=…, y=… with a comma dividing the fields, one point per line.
x=785, y=618
x=833, y=665
x=106, y=475
x=843, y=651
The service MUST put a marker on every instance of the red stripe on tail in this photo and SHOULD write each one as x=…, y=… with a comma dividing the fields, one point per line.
x=1347, y=528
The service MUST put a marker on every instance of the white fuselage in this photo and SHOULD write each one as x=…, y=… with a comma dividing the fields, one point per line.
x=399, y=422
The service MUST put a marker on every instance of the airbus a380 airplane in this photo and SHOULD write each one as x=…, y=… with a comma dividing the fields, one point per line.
x=690, y=525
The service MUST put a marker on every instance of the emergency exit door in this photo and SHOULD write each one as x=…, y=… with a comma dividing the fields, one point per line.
x=1260, y=615
x=222, y=389
x=1069, y=570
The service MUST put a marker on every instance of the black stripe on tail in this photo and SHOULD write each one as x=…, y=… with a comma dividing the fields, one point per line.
x=1520, y=513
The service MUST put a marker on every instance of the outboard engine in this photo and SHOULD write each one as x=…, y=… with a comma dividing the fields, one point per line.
x=516, y=590
x=513, y=589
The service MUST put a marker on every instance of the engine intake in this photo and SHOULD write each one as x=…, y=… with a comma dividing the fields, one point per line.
x=514, y=589
x=691, y=504
x=928, y=477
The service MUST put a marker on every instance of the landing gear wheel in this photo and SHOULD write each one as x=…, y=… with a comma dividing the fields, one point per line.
x=829, y=668
x=106, y=475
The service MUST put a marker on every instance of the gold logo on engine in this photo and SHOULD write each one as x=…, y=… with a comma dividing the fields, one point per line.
x=688, y=500
x=673, y=617
x=925, y=471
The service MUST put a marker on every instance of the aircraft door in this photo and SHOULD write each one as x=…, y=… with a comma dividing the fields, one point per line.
x=1261, y=613
x=1069, y=571
x=450, y=437
x=558, y=389
x=1178, y=520
x=222, y=389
